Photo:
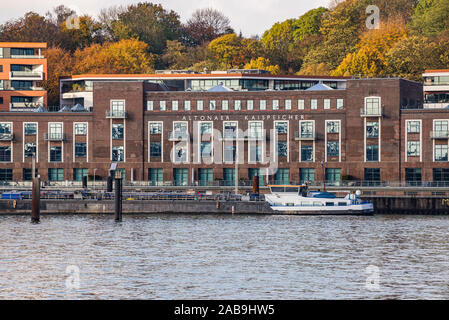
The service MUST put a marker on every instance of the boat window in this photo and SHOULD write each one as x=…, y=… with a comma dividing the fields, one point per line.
x=291, y=189
x=329, y=204
x=277, y=189
x=342, y=204
x=305, y=204
x=317, y=204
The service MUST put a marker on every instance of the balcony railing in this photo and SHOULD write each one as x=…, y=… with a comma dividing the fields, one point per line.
x=31, y=105
x=54, y=137
x=25, y=56
x=6, y=136
x=305, y=136
x=116, y=114
x=371, y=113
x=33, y=75
x=439, y=134
x=178, y=136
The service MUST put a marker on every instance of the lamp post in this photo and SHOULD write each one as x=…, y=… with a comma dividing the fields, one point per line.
x=95, y=170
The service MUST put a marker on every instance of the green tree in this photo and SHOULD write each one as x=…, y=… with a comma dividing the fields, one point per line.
x=308, y=24
x=431, y=17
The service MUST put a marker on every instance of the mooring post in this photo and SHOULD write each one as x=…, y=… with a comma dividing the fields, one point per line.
x=256, y=185
x=36, y=201
x=118, y=196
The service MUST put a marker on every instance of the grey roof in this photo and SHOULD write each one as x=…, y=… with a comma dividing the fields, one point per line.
x=78, y=108
x=40, y=109
x=65, y=109
x=219, y=88
x=319, y=87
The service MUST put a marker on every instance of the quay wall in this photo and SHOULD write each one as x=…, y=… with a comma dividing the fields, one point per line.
x=382, y=205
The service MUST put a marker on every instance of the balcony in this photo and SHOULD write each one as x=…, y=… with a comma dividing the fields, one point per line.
x=178, y=136
x=6, y=136
x=116, y=114
x=24, y=105
x=364, y=113
x=439, y=135
x=26, y=75
x=26, y=56
x=305, y=136
x=54, y=137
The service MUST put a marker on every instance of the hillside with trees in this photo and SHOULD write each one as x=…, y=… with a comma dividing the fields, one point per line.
x=140, y=38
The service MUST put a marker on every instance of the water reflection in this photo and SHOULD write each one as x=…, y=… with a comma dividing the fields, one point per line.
x=224, y=257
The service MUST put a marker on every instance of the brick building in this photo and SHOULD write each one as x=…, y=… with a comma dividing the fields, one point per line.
x=189, y=129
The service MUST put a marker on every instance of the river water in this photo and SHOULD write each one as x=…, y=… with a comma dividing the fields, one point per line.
x=224, y=257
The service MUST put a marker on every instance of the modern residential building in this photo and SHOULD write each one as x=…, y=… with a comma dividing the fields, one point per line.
x=189, y=129
x=436, y=89
x=22, y=67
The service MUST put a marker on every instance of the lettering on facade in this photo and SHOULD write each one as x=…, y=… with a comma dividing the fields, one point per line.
x=245, y=117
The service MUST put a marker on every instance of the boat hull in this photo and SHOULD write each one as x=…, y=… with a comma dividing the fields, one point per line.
x=357, y=210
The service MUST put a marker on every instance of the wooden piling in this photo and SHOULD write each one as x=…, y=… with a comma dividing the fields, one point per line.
x=255, y=184
x=36, y=201
x=118, y=197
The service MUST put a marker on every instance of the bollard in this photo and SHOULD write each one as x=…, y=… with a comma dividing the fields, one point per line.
x=233, y=209
x=118, y=199
x=255, y=184
x=36, y=201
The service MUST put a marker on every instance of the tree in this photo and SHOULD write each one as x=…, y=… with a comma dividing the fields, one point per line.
x=308, y=24
x=374, y=44
x=431, y=17
x=320, y=69
x=125, y=56
x=263, y=64
x=411, y=56
x=149, y=23
x=204, y=26
x=89, y=32
x=60, y=63
x=232, y=51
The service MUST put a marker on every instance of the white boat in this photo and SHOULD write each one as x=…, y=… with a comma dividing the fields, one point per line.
x=299, y=200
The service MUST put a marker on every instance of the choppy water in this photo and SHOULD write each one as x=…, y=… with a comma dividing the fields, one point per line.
x=224, y=257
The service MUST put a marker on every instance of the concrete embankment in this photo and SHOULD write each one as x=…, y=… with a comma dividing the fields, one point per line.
x=382, y=205
x=137, y=206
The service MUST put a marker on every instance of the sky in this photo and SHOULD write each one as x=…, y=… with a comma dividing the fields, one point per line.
x=252, y=17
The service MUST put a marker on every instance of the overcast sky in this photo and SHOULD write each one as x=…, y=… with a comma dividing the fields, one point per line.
x=249, y=16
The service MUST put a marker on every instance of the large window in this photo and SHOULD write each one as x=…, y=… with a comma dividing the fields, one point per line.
x=230, y=129
x=55, y=154
x=5, y=174
x=155, y=149
x=27, y=174
x=80, y=149
x=118, y=154
x=372, y=106
x=255, y=153
x=206, y=128
x=5, y=154
x=282, y=176
x=155, y=128
x=441, y=152
x=306, y=153
x=333, y=175
x=229, y=176
x=155, y=176
x=333, y=149
x=333, y=127
x=180, y=153
x=55, y=130
x=181, y=177
x=372, y=152
x=281, y=127
x=307, y=130
x=413, y=126
x=206, y=176
x=81, y=129
x=282, y=149
x=30, y=128
x=413, y=176
x=441, y=177
x=56, y=174
x=372, y=129
x=372, y=175
x=78, y=174
x=29, y=149
x=255, y=172
x=255, y=129
x=230, y=153
x=441, y=128
x=307, y=175
x=413, y=148
x=118, y=131
x=5, y=129
x=206, y=150
x=117, y=108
